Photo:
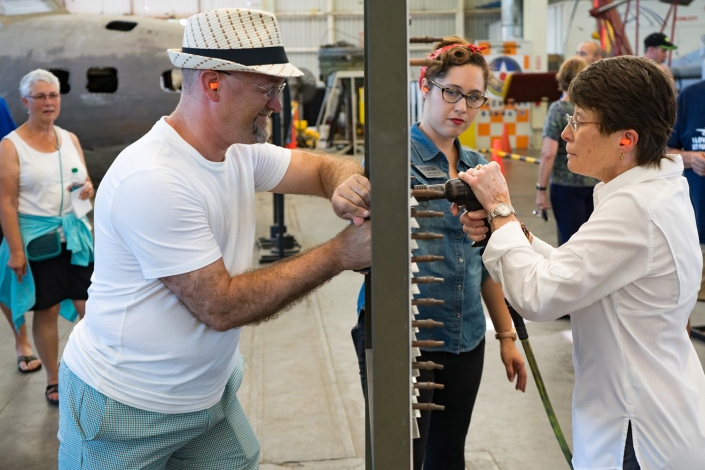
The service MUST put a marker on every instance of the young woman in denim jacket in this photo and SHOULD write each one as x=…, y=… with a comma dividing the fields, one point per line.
x=453, y=93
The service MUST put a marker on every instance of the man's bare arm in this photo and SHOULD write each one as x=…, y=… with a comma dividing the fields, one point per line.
x=339, y=179
x=315, y=174
x=222, y=302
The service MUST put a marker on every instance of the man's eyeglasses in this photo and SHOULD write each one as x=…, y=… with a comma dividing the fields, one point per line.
x=451, y=95
x=575, y=125
x=44, y=97
x=273, y=92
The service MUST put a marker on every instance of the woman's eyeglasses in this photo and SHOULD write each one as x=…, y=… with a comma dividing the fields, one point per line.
x=43, y=97
x=575, y=125
x=451, y=95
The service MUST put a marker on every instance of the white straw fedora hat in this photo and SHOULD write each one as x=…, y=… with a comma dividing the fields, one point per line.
x=234, y=39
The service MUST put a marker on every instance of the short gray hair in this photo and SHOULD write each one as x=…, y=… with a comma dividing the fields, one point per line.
x=188, y=79
x=39, y=75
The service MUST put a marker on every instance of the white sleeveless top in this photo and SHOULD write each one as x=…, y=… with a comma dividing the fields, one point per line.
x=40, y=183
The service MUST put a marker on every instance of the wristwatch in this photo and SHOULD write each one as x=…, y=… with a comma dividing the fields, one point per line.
x=502, y=210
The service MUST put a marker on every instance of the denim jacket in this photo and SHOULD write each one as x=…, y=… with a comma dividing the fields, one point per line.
x=462, y=316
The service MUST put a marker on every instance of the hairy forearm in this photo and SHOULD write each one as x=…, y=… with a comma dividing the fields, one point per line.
x=257, y=295
x=335, y=170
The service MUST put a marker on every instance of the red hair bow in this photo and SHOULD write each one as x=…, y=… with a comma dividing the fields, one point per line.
x=473, y=48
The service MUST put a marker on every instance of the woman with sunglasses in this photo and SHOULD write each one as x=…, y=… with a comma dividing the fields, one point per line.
x=629, y=277
x=46, y=258
x=453, y=93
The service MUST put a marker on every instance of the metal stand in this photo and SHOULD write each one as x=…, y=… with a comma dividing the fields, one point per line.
x=342, y=92
x=279, y=242
x=389, y=416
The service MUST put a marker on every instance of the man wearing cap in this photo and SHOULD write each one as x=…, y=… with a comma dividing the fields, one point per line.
x=149, y=378
x=590, y=51
x=688, y=139
x=656, y=47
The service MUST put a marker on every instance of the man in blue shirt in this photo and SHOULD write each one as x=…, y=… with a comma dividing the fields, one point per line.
x=7, y=125
x=688, y=139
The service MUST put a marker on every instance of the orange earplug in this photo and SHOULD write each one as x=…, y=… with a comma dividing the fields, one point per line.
x=213, y=85
x=625, y=141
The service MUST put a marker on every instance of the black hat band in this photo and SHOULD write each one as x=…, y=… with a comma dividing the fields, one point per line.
x=250, y=57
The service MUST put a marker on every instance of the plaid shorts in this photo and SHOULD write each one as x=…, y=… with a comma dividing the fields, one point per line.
x=99, y=433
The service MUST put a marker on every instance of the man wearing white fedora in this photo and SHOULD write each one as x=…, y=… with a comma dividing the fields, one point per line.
x=149, y=377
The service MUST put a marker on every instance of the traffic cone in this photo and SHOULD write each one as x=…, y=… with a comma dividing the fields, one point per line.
x=497, y=147
x=505, y=139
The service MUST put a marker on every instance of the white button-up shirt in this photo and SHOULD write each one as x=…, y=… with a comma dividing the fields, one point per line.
x=629, y=278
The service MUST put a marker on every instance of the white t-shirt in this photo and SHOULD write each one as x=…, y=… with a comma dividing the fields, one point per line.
x=162, y=210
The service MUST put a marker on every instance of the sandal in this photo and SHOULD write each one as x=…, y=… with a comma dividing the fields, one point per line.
x=27, y=360
x=53, y=388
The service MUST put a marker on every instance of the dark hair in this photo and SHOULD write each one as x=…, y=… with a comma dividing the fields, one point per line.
x=569, y=69
x=457, y=56
x=629, y=92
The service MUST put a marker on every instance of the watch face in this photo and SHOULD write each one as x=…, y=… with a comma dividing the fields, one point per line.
x=503, y=210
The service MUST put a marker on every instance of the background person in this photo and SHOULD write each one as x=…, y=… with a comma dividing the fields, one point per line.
x=26, y=360
x=629, y=277
x=656, y=47
x=175, y=225
x=688, y=139
x=590, y=51
x=453, y=93
x=571, y=194
x=35, y=181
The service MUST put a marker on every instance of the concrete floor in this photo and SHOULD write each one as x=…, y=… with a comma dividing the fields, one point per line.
x=302, y=391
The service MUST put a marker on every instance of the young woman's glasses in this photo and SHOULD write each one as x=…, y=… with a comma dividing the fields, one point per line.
x=451, y=95
x=43, y=97
x=270, y=92
x=575, y=125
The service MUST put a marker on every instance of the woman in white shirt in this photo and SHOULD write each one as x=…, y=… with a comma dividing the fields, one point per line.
x=46, y=259
x=629, y=277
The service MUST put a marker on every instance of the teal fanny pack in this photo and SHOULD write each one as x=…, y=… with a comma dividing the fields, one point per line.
x=44, y=247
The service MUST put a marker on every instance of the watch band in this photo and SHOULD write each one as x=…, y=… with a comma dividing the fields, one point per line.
x=495, y=212
x=507, y=334
x=541, y=188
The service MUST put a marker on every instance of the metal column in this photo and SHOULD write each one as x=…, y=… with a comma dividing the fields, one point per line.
x=388, y=305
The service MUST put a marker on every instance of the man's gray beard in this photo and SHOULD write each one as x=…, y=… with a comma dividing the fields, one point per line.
x=261, y=133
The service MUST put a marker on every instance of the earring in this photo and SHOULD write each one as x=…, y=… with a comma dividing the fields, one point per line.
x=621, y=156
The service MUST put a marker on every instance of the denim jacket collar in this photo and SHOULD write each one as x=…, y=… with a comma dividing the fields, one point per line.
x=427, y=150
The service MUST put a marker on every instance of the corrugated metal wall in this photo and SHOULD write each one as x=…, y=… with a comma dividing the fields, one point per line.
x=105, y=7
x=308, y=24
x=348, y=5
x=302, y=6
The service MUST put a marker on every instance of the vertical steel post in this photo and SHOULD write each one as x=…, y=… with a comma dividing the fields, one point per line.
x=387, y=163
